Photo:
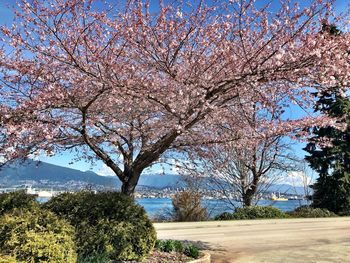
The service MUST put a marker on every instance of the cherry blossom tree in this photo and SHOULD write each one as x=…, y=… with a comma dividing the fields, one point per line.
x=126, y=83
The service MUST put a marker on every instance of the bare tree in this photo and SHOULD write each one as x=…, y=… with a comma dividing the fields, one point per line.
x=243, y=174
x=305, y=178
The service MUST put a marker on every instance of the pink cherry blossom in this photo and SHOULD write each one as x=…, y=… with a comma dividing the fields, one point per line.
x=125, y=82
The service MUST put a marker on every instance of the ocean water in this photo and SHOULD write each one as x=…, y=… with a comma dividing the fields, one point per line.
x=156, y=207
x=162, y=206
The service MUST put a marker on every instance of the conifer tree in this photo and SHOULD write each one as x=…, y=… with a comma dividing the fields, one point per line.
x=331, y=158
x=329, y=149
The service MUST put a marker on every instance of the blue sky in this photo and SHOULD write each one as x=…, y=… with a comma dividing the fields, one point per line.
x=64, y=159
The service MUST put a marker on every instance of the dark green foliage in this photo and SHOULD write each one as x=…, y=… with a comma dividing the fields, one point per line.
x=224, y=216
x=252, y=212
x=98, y=258
x=191, y=251
x=19, y=200
x=310, y=212
x=36, y=236
x=92, y=207
x=345, y=212
x=258, y=212
x=169, y=246
x=107, y=223
x=331, y=162
x=332, y=192
x=330, y=29
x=188, y=207
x=119, y=240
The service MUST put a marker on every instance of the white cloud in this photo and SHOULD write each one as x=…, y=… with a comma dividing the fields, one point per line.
x=169, y=166
x=155, y=169
x=34, y=157
x=105, y=171
x=296, y=178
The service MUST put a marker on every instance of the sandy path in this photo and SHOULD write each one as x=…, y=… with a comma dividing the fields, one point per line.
x=323, y=240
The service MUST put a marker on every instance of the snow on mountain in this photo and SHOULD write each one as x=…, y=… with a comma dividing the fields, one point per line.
x=41, y=172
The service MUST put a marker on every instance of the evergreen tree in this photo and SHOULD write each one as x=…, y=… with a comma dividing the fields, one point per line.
x=331, y=161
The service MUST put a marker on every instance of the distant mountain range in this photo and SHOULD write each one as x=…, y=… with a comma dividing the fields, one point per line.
x=45, y=175
x=41, y=174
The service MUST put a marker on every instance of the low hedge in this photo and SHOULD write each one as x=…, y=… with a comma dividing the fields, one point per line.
x=310, y=212
x=36, y=236
x=252, y=212
x=224, y=216
x=344, y=213
x=107, y=223
x=266, y=212
x=258, y=212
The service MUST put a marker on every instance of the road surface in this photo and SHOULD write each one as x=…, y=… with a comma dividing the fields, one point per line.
x=324, y=240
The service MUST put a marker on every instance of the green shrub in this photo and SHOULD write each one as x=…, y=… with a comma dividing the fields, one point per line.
x=107, y=223
x=188, y=207
x=262, y=212
x=191, y=251
x=36, y=236
x=169, y=246
x=310, y=212
x=344, y=213
x=224, y=216
x=8, y=259
x=18, y=199
x=178, y=246
x=257, y=212
x=97, y=258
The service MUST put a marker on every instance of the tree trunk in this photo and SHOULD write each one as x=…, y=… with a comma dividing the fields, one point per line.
x=249, y=194
x=130, y=182
x=128, y=189
x=247, y=199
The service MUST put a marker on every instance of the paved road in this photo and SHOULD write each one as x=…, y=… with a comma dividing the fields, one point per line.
x=323, y=240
